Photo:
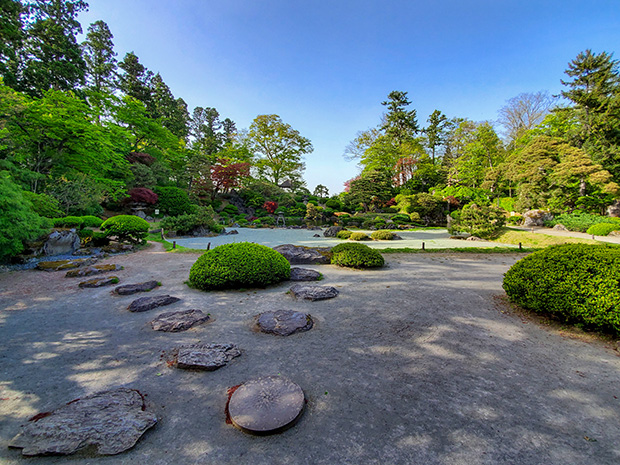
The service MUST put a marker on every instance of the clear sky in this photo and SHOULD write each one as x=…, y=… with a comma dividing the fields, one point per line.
x=325, y=66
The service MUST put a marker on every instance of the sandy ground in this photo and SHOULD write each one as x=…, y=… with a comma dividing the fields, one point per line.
x=422, y=362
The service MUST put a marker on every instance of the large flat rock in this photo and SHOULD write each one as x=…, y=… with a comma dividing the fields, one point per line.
x=283, y=322
x=92, y=270
x=304, y=274
x=179, y=321
x=313, y=292
x=207, y=357
x=299, y=255
x=144, y=304
x=129, y=289
x=112, y=421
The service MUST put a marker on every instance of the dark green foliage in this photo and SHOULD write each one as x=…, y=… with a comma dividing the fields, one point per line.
x=482, y=221
x=69, y=222
x=18, y=222
x=603, y=229
x=129, y=228
x=84, y=233
x=173, y=201
x=333, y=204
x=90, y=221
x=185, y=224
x=401, y=219
x=43, y=205
x=578, y=283
x=239, y=265
x=579, y=221
x=100, y=239
x=230, y=209
x=356, y=256
x=383, y=235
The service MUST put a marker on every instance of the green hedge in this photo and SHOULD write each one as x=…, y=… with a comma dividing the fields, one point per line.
x=129, y=228
x=356, y=256
x=578, y=283
x=383, y=235
x=603, y=229
x=579, y=221
x=239, y=265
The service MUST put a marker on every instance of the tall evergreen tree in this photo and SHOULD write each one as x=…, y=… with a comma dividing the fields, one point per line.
x=135, y=79
x=435, y=131
x=400, y=124
x=11, y=39
x=100, y=57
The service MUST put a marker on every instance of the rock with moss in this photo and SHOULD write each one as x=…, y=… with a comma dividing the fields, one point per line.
x=92, y=270
x=239, y=265
x=99, y=282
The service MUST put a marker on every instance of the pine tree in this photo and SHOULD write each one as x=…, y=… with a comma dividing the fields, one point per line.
x=99, y=56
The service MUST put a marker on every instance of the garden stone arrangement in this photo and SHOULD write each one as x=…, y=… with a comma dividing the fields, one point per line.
x=283, y=322
x=179, y=321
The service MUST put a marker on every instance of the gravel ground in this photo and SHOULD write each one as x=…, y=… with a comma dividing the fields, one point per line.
x=422, y=362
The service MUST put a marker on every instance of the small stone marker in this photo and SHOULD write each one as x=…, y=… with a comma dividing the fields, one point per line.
x=304, y=274
x=179, y=321
x=99, y=282
x=112, y=421
x=92, y=270
x=283, y=322
x=207, y=357
x=144, y=304
x=309, y=292
x=266, y=405
x=129, y=289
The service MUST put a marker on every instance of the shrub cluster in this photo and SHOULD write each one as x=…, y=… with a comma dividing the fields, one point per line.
x=603, y=229
x=579, y=221
x=185, y=224
x=356, y=256
x=383, y=235
x=344, y=234
x=578, y=283
x=359, y=236
x=173, y=201
x=129, y=228
x=478, y=220
x=238, y=265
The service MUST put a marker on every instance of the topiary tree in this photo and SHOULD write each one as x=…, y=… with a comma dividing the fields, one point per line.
x=239, y=265
x=18, y=222
x=603, y=229
x=578, y=283
x=128, y=228
x=173, y=201
x=356, y=255
x=482, y=221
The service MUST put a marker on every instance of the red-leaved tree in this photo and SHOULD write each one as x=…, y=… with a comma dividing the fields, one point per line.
x=142, y=195
x=226, y=176
x=270, y=206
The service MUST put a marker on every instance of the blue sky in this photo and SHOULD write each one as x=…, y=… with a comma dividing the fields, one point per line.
x=325, y=66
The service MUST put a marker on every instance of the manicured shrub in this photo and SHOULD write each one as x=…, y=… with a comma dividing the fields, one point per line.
x=100, y=238
x=333, y=204
x=185, y=224
x=69, y=222
x=173, y=201
x=359, y=236
x=129, y=228
x=478, y=220
x=356, y=256
x=578, y=283
x=383, y=235
x=239, y=265
x=90, y=221
x=603, y=229
x=401, y=218
x=344, y=234
x=579, y=221
x=415, y=217
x=230, y=209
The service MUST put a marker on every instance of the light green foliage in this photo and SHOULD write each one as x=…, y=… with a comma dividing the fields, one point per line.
x=359, y=236
x=239, y=265
x=603, y=229
x=185, y=224
x=382, y=235
x=69, y=222
x=129, y=228
x=356, y=256
x=344, y=234
x=478, y=220
x=18, y=222
x=43, y=204
x=577, y=283
x=580, y=221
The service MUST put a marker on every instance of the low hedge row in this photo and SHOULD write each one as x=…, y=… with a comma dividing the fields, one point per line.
x=356, y=255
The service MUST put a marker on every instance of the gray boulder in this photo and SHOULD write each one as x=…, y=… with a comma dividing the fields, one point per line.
x=304, y=291
x=144, y=304
x=535, y=218
x=63, y=242
x=129, y=289
x=283, y=322
x=304, y=274
x=179, y=321
x=111, y=421
x=99, y=282
x=207, y=357
x=332, y=231
x=299, y=255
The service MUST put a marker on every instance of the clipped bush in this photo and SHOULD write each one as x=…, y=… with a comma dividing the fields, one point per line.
x=515, y=219
x=239, y=265
x=185, y=224
x=356, y=256
x=230, y=209
x=578, y=283
x=173, y=201
x=603, y=229
x=344, y=234
x=99, y=239
x=128, y=228
x=90, y=221
x=69, y=222
x=402, y=218
x=415, y=217
x=478, y=220
x=579, y=221
x=359, y=236
x=383, y=235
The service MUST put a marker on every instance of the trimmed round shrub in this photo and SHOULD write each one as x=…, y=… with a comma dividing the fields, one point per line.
x=359, y=236
x=69, y=222
x=173, y=201
x=129, y=228
x=344, y=234
x=577, y=283
x=603, y=229
x=91, y=221
x=382, y=235
x=239, y=265
x=356, y=256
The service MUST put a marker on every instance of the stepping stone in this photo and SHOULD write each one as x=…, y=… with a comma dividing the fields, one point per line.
x=144, y=304
x=92, y=270
x=304, y=274
x=299, y=255
x=112, y=421
x=179, y=321
x=308, y=292
x=100, y=282
x=283, y=322
x=129, y=289
x=207, y=357
x=58, y=265
x=266, y=405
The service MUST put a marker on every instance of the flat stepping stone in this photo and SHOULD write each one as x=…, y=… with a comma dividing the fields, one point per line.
x=283, y=322
x=99, y=282
x=59, y=265
x=129, y=289
x=112, y=421
x=304, y=274
x=311, y=292
x=92, y=270
x=179, y=321
x=266, y=405
x=144, y=304
x=207, y=357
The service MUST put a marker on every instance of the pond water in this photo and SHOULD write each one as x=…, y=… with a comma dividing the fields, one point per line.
x=432, y=239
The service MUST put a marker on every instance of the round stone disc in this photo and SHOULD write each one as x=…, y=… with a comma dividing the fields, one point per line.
x=266, y=405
